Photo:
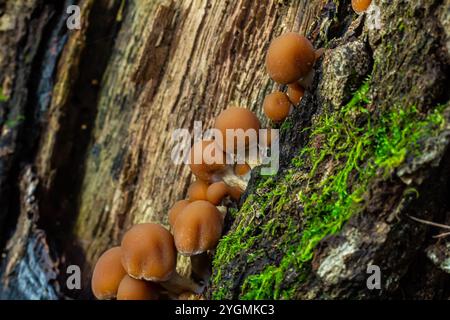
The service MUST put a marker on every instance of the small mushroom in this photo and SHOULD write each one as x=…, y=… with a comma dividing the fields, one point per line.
x=197, y=191
x=148, y=253
x=230, y=121
x=198, y=229
x=217, y=192
x=361, y=6
x=133, y=289
x=107, y=275
x=295, y=93
x=289, y=58
x=206, y=158
x=176, y=210
x=277, y=106
x=235, y=192
x=241, y=169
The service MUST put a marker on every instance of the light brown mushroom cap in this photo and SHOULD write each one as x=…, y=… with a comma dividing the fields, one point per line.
x=198, y=228
x=108, y=272
x=241, y=169
x=235, y=193
x=360, y=5
x=133, y=289
x=277, y=106
x=235, y=118
x=207, y=166
x=197, y=191
x=290, y=57
x=148, y=252
x=216, y=192
x=295, y=93
x=176, y=210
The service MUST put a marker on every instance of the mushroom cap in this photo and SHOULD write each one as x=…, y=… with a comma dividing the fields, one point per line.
x=176, y=210
x=295, y=93
x=235, y=193
x=197, y=191
x=108, y=272
x=290, y=57
x=236, y=118
x=148, y=252
x=241, y=169
x=360, y=5
x=133, y=289
x=198, y=228
x=216, y=192
x=207, y=164
x=277, y=106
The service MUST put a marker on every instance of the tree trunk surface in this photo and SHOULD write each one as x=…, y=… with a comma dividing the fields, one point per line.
x=87, y=116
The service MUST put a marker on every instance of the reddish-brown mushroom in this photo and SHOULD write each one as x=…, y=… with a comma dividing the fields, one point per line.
x=107, y=275
x=235, y=193
x=277, y=106
x=148, y=253
x=176, y=209
x=197, y=230
x=206, y=158
x=290, y=57
x=237, y=125
x=360, y=6
x=133, y=289
x=197, y=190
x=241, y=169
x=217, y=192
x=295, y=93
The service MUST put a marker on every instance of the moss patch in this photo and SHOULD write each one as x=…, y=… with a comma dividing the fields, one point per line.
x=325, y=185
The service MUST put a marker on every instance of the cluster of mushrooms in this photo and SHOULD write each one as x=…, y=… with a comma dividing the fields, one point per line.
x=144, y=266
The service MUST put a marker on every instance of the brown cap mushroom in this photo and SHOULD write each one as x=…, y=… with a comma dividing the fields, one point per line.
x=290, y=57
x=133, y=289
x=241, y=169
x=360, y=6
x=148, y=253
x=295, y=93
x=277, y=106
x=197, y=191
x=235, y=193
x=107, y=275
x=203, y=163
x=216, y=192
x=176, y=210
x=235, y=118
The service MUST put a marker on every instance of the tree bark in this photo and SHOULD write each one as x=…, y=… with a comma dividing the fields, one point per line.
x=87, y=123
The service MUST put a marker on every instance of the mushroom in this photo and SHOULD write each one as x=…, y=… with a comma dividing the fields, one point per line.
x=295, y=93
x=176, y=210
x=148, y=253
x=277, y=106
x=198, y=229
x=216, y=192
x=235, y=192
x=107, y=275
x=133, y=289
x=289, y=58
x=197, y=190
x=241, y=169
x=361, y=6
x=206, y=159
x=238, y=124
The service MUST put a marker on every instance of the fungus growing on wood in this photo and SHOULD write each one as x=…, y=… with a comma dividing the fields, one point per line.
x=148, y=253
x=235, y=192
x=107, y=275
x=176, y=210
x=197, y=230
x=206, y=159
x=217, y=192
x=289, y=58
x=197, y=191
x=277, y=106
x=133, y=289
x=229, y=121
x=241, y=169
x=295, y=93
x=361, y=6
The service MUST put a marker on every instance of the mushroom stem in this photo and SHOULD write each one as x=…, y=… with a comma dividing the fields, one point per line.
x=178, y=284
x=201, y=267
x=231, y=179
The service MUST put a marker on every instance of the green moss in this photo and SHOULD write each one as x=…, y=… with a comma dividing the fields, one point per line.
x=2, y=97
x=328, y=180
